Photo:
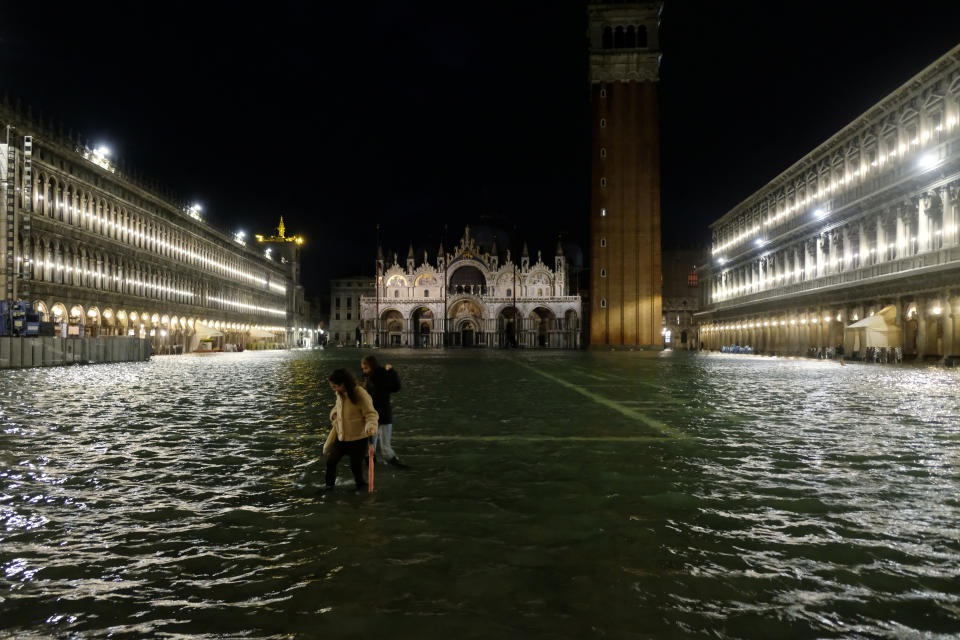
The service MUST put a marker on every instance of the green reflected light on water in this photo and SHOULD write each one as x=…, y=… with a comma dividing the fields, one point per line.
x=549, y=494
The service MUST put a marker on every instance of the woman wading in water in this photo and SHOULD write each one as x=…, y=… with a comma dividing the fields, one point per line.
x=354, y=420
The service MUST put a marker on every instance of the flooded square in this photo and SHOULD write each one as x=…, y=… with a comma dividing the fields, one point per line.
x=549, y=494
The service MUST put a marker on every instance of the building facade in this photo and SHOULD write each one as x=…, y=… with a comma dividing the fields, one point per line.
x=99, y=253
x=865, y=222
x=345, y=318
x=624, y=252
x=470, y=298
x=681, y=299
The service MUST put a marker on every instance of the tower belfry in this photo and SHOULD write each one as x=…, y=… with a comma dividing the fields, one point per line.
x=625, y=282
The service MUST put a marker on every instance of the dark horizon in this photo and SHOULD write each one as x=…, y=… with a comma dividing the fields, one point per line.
x=415, y=117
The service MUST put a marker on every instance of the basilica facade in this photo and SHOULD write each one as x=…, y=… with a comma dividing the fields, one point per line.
x=471, y=298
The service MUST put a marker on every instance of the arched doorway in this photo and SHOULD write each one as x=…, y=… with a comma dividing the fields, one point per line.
x=543, y=322
x=910, y=333
x=571, y=326
x=422, y=324
x=40, y=308
x=60, y=316
x=93, y=322
x=508, y=327
x=468, y=333
x=391, y=327
x=108, y=326
x=76, y=328
x=465, y=315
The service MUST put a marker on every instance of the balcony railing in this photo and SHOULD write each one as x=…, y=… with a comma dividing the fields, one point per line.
x=899, y=267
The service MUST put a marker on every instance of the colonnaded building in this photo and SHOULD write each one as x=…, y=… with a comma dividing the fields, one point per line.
x=865, y=222
x=99, y=253
x=470, y=298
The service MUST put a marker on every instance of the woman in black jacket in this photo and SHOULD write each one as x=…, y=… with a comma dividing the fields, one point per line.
x=380, y=382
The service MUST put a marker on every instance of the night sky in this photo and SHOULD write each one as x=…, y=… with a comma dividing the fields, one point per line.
x=340, y=116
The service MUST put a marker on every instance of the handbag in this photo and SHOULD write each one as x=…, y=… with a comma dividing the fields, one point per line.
x=328, y=445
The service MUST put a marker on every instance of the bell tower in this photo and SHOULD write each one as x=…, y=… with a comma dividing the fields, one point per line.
x=625, y=266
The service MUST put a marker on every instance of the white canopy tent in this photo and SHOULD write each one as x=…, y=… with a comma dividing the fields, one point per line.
x=256, y=333
x=878, y=330
x=201, y=332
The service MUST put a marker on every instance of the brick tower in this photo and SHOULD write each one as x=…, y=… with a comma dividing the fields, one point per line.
x=625, y=282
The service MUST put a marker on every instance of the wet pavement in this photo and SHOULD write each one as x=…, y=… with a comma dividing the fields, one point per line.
x=549, y=494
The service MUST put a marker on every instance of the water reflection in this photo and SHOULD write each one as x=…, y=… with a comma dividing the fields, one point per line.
x=177, y=497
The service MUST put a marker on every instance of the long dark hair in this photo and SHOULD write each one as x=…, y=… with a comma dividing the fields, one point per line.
x=344, y=377
x=371, y=362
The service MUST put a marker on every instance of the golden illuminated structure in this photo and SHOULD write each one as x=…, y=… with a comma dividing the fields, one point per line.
x=280, y=237
x=288, y=254
x=625, y=280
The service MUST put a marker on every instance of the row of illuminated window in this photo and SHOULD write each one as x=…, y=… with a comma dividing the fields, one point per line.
x=243, y=306
x=109, y=274
x=71, y=206
x=105, y=276
x=746, y=283
x=837, y=175
x=813, y=319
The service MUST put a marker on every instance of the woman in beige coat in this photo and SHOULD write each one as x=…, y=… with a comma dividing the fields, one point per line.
x=354, y=420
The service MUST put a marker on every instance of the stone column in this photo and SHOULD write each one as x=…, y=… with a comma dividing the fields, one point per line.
x=833, y=266
x=948, y=195
x=881, y=240
x=923, y=225
x=864, y=244
x=921, y=328
x=823, y=328
x=909, y=229
x=843, y=252
x=818, y=248
x=948, y=329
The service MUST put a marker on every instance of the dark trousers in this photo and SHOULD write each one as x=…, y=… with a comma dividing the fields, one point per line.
x=357, y=450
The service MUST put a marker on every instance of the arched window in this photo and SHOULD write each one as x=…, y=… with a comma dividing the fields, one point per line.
x=603, y=123
x=603, y=273
x=631, y=39
x=618, y=38
x=641, y=36
x=509, y=292
x=603, y=303
x=396, y=293
x=692, y=278
x=603, y=152
x=607, y=38
x=426, y=293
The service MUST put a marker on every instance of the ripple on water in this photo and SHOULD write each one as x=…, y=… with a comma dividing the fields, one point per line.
x=177, y=497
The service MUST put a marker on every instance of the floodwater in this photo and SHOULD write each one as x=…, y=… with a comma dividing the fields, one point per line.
x=554, y=495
